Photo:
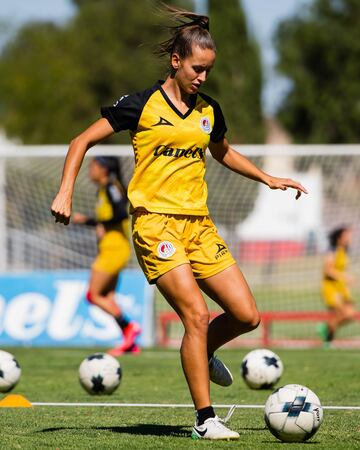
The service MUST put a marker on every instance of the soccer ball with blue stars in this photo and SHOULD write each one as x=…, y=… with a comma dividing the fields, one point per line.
x=293, y=413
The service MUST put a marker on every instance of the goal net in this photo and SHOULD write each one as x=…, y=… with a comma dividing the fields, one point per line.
x=278, y=242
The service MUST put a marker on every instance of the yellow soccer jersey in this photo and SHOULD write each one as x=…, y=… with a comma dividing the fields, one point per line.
x=336, y=291
x=169, y=149
x=340, y=259
x=111, y=208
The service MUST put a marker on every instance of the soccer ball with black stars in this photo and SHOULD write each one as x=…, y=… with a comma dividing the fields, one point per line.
x=100, y=374
x=9, y=371
x=261, y=369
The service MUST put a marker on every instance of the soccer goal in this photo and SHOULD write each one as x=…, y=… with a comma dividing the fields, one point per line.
x=278, y=242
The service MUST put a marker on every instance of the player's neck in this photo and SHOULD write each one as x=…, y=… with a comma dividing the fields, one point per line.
x=178, y=97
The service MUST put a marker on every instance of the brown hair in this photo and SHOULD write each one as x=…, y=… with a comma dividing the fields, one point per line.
x=191, y=29
x=336, y=234
x=113, y=167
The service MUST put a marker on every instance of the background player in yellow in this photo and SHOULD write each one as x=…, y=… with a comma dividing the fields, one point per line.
x=336, y=283
x=171, y=125
x=111, y=221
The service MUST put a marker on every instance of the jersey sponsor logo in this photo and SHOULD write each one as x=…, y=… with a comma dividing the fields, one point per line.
x=221, y=251
x=163, y=150
x=205, y=124
x=163, y=121
x=165, y=249
x=120, y=99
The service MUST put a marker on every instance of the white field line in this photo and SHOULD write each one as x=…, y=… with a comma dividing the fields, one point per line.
x=174, y=405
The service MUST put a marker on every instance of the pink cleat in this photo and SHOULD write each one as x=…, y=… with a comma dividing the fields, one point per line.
x=128, y=345
x=130, y=333
x=118, y=351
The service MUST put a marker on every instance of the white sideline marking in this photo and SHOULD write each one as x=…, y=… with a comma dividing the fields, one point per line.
x=174, y=405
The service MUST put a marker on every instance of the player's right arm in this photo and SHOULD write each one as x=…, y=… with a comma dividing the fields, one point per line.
x=61, y=206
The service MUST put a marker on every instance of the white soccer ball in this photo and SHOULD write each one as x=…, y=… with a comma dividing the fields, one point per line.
x=293, y=413
x=261, y=369
x=9, y=371
x=100, y=374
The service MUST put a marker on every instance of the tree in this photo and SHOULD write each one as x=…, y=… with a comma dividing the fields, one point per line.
x=53, y=79
x=319, y=51
x=236, y=81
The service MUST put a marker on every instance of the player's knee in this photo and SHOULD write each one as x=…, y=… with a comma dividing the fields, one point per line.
x=349, y=315
x=250, y=320
x=255, y=320
x=197, y=321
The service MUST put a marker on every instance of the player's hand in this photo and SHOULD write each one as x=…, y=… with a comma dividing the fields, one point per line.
x=61, y=208
x=285, y=183
x=79, y=218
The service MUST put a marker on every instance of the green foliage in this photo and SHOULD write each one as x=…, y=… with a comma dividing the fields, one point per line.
x=53, y=79
x=237, y=78
x=320, y=52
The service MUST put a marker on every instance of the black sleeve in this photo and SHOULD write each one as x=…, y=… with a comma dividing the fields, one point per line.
x=118, y=203
x=218, y=132
x=126, y=112
x=91, y=222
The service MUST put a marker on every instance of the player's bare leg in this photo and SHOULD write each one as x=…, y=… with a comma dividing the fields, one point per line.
x=342, y=314
x=230, y=290
x=102, y=294
x=181, y=291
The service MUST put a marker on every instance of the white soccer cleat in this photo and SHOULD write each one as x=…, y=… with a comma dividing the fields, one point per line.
x=219, y=373
x=213, y=428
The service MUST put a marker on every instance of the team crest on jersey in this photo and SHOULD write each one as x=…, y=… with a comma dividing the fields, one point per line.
x=205, y=124
x=165, y=249
x=120, y=99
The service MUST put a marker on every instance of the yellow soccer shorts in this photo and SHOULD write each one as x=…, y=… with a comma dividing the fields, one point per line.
x=113, y=254
x=165, y=241
x=335, y=294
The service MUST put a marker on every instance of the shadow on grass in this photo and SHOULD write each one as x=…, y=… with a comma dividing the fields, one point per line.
x=140, y=429
x=284, y=443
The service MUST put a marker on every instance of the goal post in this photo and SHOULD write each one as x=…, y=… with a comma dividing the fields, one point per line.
x=278, y=242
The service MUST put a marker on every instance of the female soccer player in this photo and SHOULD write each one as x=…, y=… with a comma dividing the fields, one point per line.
x=177, y=245
x=111, y=223
x=335, y=285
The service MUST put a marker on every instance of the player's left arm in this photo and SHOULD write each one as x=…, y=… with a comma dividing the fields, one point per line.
x=236, y=162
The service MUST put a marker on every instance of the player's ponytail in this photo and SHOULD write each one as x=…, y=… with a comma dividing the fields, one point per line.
x=189, y=29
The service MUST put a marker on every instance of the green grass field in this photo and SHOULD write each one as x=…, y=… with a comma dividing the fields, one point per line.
x=50, y=375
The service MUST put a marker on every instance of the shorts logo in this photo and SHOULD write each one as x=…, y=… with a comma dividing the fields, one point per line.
x=205, y=124
x=165, y=249
x=221, y=251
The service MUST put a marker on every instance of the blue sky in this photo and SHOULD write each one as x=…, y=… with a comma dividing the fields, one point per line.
x=263, y=17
